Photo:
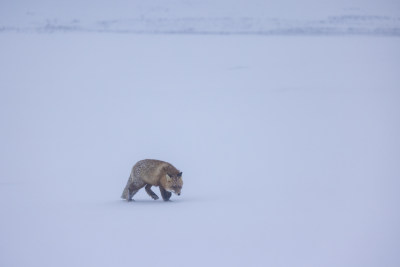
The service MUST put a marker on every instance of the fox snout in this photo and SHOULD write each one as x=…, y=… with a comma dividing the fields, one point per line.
x=176, y=190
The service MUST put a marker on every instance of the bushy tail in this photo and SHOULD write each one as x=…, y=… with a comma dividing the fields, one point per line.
x=125, y=193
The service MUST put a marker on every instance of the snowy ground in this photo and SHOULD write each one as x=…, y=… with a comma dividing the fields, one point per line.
x=289, y=147
x=255, y=17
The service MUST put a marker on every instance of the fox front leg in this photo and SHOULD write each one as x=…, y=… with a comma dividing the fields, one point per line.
x=165, y=194
x=150, y=192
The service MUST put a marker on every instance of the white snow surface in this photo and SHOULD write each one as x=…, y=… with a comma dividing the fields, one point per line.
x=289, y=147
x=272, y=17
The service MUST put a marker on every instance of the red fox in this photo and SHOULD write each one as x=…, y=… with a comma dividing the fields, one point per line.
x=151, y=172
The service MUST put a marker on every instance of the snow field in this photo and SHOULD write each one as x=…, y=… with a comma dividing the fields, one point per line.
x=288, y=145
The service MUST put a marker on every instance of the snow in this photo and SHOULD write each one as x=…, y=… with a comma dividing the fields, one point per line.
x=284, y=17
x=289, y=147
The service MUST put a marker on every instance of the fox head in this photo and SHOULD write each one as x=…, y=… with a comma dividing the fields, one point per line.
x=174, y=183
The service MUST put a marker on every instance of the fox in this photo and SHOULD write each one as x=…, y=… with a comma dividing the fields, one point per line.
x=151, y=172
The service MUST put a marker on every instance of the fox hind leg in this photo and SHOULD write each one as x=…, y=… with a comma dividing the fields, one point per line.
x=132, y=187
x=165, y=194
x=150, y=192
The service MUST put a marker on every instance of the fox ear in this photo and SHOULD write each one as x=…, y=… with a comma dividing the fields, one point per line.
x=180, y=174
x=169, y=179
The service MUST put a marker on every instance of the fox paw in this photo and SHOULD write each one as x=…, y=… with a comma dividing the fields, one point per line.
x=155, y=197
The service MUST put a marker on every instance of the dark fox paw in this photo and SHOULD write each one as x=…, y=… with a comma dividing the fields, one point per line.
x=155, y=197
